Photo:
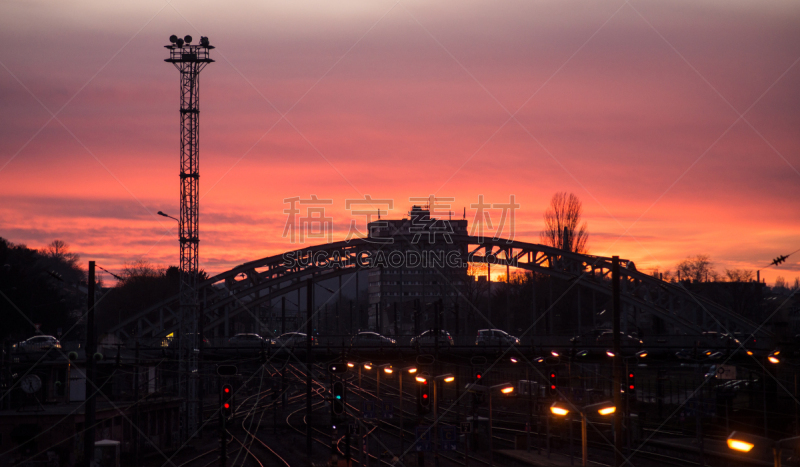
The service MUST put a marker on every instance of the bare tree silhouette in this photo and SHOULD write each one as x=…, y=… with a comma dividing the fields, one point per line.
x=738, y=275
x=697, y=269
x=562, y=224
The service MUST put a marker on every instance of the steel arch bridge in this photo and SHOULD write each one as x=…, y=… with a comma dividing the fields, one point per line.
x=241, y=289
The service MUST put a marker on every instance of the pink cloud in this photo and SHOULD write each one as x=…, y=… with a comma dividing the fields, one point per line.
x=617, y=124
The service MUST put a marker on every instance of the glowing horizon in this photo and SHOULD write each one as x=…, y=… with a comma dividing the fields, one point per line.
x=635, y=109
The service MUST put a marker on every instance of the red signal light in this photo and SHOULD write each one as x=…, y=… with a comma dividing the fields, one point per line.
x=226, y=390
x=553, y=383
x=630, y=375
x=226, y=405
x=424, y=396
x=632, y=386
x=478, y=376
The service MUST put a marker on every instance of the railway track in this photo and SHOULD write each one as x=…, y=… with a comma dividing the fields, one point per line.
x=509, y=439
x=251, y=449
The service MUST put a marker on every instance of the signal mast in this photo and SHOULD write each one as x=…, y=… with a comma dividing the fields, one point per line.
x=190, y=60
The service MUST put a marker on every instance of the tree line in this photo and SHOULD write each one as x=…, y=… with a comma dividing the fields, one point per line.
x=40, y=290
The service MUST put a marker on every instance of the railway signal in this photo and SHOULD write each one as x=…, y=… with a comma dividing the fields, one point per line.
x=631, y=383
x=227, y=400
x=338, y=391
x=424, y=397
x=552, y=389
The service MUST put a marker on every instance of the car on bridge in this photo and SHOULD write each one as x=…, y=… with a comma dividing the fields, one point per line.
x=606, y=340
x=428, y=338
x=37, y=344
x=589, y=337
x=371, y=339
x=293, y=339
x=247, y=340
x=488, y=337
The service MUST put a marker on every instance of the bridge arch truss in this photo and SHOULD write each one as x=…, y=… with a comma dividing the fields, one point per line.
x=245, y=287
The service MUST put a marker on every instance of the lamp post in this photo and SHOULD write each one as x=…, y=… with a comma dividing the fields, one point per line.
x=775, y=360
x=603, y=408
x=503, y=388
x=167, y=215
x=352, y=365
x=447, y=378
x=707, y=355
x=411, y=370
x=626, y=412
x=366, y=366
x=745, y=442
x=387, y=368
x=529, y=425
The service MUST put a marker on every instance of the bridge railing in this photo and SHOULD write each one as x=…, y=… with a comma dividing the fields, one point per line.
x=532, y=344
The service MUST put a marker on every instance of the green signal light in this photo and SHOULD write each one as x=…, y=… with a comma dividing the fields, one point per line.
x=338, y=397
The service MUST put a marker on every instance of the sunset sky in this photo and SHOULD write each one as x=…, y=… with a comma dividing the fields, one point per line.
x=676, y=123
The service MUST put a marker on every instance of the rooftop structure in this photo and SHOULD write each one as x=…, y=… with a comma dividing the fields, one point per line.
x=420, y=262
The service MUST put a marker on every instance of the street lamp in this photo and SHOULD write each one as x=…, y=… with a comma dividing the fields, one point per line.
x=503, y=388
x=602, y=408
x=639, y=354
x=167, y=215
x=745, y=442
x=627, y=415
x=447, y=378
x=366, y=366
x=411, y=370
x=387, y=368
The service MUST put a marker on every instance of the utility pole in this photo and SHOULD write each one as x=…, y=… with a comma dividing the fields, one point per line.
x=436, y=329
x=283, y=314
x=396, y=333
x=91, y=348
x=417, y=311
x=309, y=329
x=136, y=435
x=489, y=291
x=189, y=60
x=458, y=321
x=617, y=361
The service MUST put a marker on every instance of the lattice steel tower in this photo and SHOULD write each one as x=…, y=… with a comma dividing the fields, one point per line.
x=189, y=60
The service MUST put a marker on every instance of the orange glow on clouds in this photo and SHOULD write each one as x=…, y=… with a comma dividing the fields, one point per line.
x=377, y=106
